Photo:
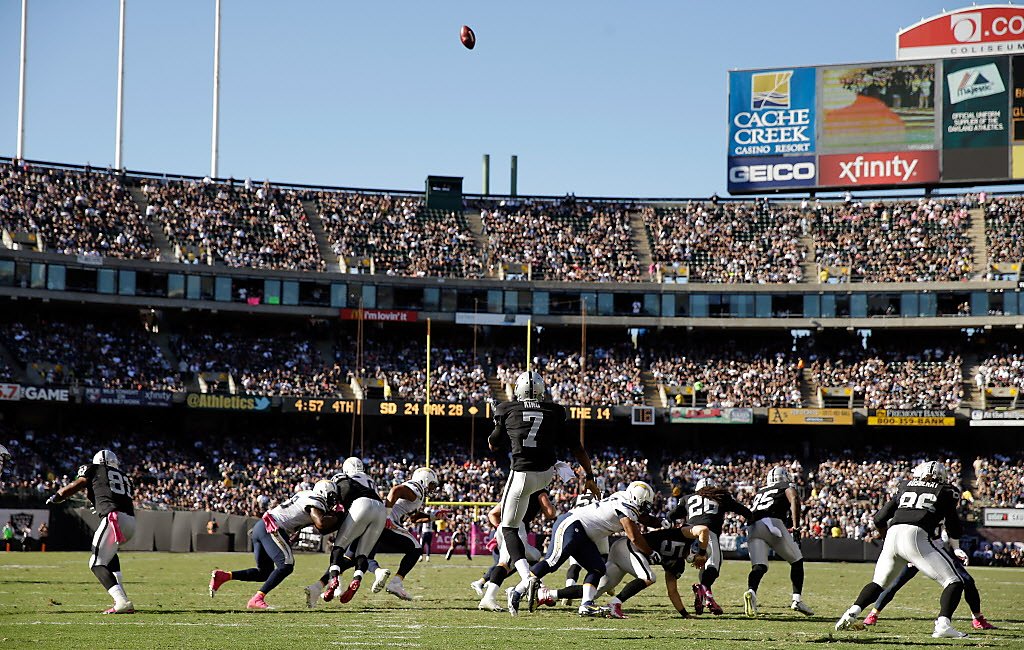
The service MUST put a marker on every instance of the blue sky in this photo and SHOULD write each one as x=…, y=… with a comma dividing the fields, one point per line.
x=595, y=97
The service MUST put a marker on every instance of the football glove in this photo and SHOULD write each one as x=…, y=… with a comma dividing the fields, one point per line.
x=961, y=555
x=54, y=498
x=655, y=557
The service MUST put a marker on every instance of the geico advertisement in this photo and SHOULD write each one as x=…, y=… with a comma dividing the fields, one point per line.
x=753, y=174
x=771, y=112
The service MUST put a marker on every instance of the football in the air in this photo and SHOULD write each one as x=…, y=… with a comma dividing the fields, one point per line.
x=467, y=37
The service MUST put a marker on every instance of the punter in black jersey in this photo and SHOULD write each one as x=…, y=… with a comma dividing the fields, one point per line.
x=673, y=548
x=536, y=430
x=775, y=519
x=487, y=586
x=365, y=516
x=707, y=506
x=908, y=523
x=110, y=492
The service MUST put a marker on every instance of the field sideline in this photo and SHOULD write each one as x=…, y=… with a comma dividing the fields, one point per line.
x=51, y=601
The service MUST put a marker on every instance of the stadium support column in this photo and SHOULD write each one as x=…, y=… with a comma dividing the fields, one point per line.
x=119, y=121
x=20, y=150
x=215, y=141
x=515, y=176
x=487, y=174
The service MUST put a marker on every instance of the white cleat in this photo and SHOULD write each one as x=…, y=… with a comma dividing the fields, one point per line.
x=490, y=605
x=382, y=576
x=478, y=587
x=943, y=630
x=397, y=589
x=313, y=594
x=801, y=606
x=750, y=602
x=849, y=622
x=514, y=598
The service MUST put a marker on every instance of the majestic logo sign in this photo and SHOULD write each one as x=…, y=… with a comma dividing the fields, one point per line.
x=992, y=29
x=971, y=83
x=909, y=167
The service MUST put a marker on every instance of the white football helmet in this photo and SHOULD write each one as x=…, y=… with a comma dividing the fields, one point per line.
x=106, y=457
x=427, y=478
x=779, y=474
x=529, y=385
x=642, y=495
x=933, y=470
x=327, y=491
x=705, y=482
x=352, y=466
x=4, y=457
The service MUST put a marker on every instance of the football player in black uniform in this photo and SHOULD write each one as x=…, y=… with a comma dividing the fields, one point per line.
x=775, y=519
x=459, y=539
x=4, y=457
x=908, y=523
x=707, y=506
x=110, y=493
x=536, y=430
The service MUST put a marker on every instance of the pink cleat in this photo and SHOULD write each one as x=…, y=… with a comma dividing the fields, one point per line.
x=328, y=594
x=709, y=600
x=545, y=597
x=615, y=611
x=257, y=602
x=123, y=608
x=699, y=596
x=217, y=579
x=871, y=618
x=353, y=587
x=980, y=623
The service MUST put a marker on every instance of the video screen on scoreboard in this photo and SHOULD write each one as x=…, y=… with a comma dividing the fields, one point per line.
x=885, y=107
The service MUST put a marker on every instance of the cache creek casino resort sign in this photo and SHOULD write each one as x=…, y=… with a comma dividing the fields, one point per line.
x=948, y=112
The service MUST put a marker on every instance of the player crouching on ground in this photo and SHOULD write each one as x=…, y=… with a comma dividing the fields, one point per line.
x=576, y=533
x=110, y=493
x=907, y=522
x=674, y=548
x=271, y=539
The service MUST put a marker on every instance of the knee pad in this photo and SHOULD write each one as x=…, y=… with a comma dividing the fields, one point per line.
x=759, y=568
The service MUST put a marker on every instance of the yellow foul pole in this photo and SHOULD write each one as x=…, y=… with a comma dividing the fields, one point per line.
x=428, y=394
x=529, y=338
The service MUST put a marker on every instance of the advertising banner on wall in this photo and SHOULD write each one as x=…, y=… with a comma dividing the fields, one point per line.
x=974, y=31
x=683, y=415
x=975, y=119
x=886, y=168
x=911, y=418
x=759, y=173
x=879, y=107
x=1004, y=517
x=810, y=416
x=771, y=112
x=122, y=397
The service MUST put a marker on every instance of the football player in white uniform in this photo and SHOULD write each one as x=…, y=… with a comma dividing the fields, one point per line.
x=270, y=539
x=908, y=523
x=404, y=503
x=576, y=534
x=775, y=518
x=4, y=457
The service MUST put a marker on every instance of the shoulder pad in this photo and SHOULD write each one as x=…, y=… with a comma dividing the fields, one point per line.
x=83, y=471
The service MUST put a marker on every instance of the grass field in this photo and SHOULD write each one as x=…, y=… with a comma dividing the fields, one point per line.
x=51, y=601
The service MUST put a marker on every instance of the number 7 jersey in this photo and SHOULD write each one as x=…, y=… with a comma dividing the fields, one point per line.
x=536, y=430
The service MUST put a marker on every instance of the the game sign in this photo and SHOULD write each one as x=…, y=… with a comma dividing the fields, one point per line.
x=45, y=394
x=974, y=31
x=889, y=168
x=10, y=392
x=683, y=415
x=810, y=416
x=227, y=402
x=910, y=418
x=771, y=112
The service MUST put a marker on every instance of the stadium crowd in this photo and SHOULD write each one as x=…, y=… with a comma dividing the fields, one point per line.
x=1004, y=229
x=567, y=240
x=237, y=225
x=756, y=242
x=1000, y=481
x=399, y=234
x=922, y=241
x=730, y=377
x=610, y=374
x=1002, y=370
x=74, y=213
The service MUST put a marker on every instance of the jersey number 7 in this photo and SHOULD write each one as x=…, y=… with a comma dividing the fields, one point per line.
x=536, y=417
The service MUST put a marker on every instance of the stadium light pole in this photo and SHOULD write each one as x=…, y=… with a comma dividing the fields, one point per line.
x=20, y=149
x=214, y=144
x=119, y=125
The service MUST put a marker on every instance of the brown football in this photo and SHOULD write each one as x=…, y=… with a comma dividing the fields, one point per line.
x=467, y=37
